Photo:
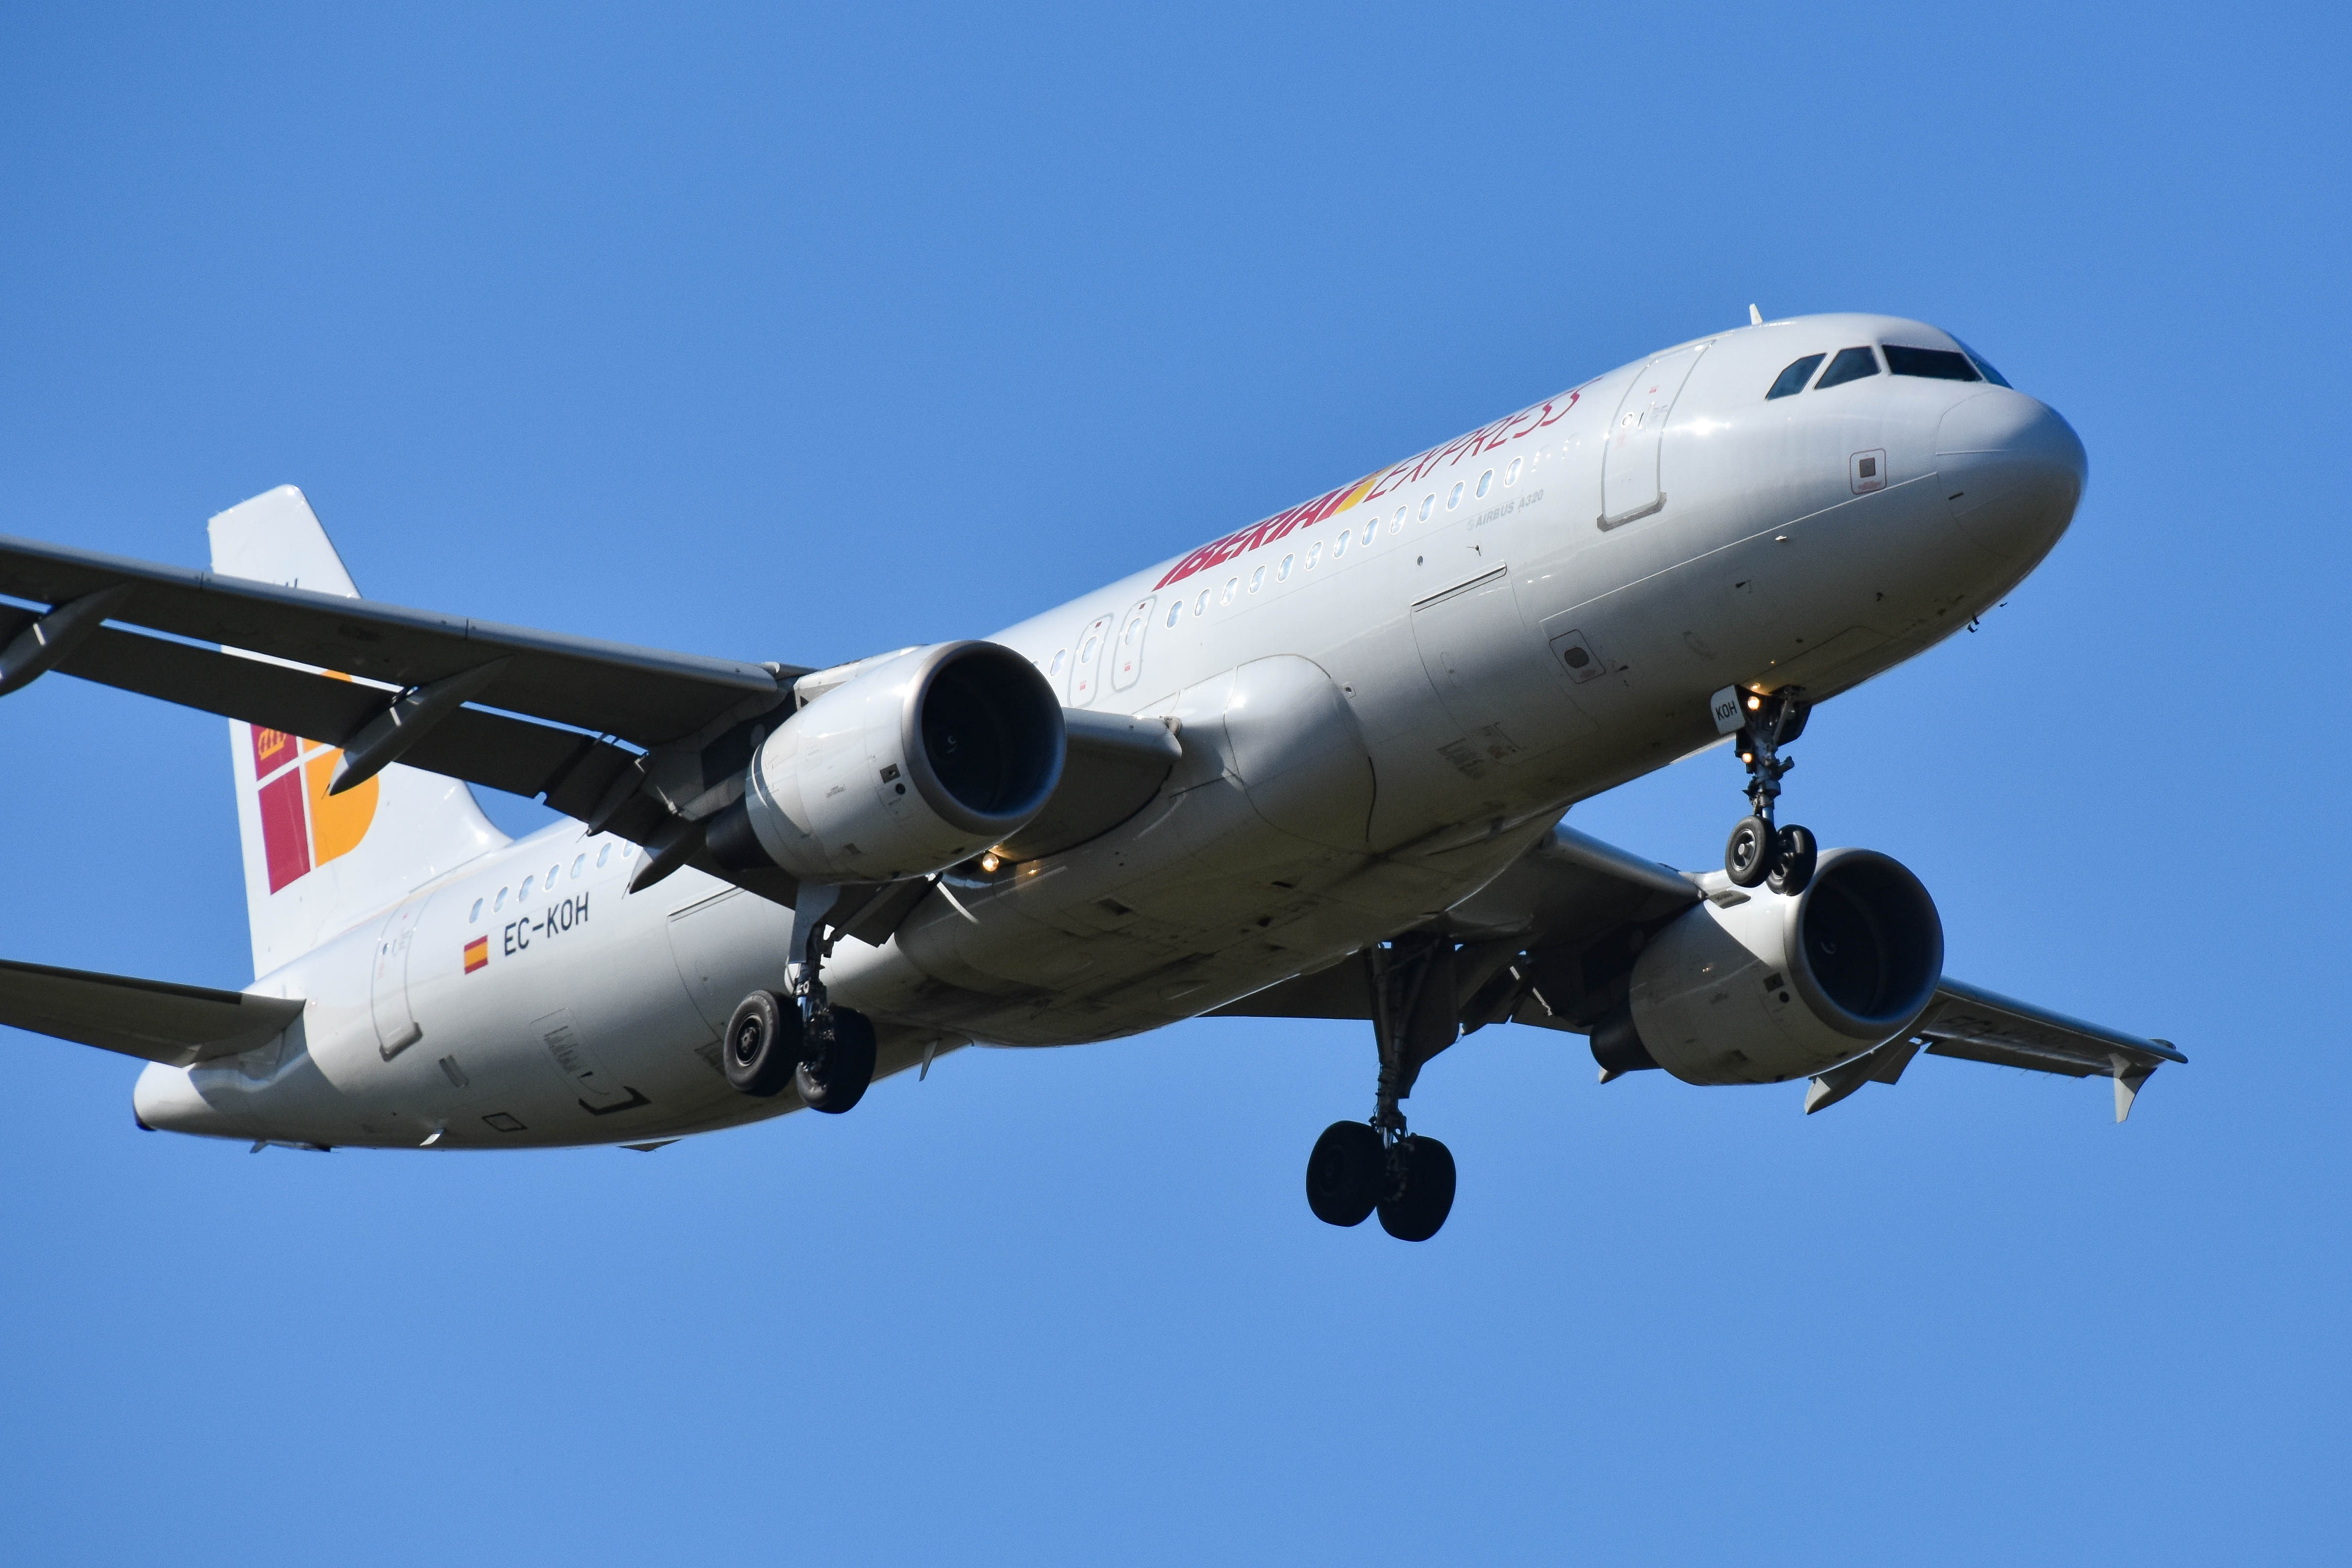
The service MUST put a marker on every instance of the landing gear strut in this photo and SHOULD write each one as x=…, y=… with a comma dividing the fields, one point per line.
x=1359, y=1168
x=825, y=1052
x=1758, y=852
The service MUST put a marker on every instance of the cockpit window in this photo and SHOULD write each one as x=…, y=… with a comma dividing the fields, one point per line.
x=1792, y=380
x=1985, y=366
x=1851, y=364
x=1936, y=365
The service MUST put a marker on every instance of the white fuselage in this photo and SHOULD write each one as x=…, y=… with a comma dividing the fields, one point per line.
x=1382, y=699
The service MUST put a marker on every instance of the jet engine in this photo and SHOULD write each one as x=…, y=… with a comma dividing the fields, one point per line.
x=1770, y=987
x=917, y=761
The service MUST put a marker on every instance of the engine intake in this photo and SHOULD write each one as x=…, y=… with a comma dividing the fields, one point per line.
x=917, y=761
x=1776, y=987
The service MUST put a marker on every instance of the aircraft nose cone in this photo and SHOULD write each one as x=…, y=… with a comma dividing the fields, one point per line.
x=2013, y=472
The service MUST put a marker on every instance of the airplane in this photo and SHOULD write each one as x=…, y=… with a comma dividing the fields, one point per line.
x=1317, y=767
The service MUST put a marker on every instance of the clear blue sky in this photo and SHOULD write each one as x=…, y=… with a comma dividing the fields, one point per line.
x=802, y=337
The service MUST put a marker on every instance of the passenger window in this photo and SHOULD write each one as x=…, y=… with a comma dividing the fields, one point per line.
x=1851, y=364
x=1313, y=556
x=1936, y=365
x=1257, y=579
x=1426, y=502
x=1201, y=604
x=1792, y=380
x=603, y=855
x=1485, y=482
x=1282, y=572
x=1175, y=608
x=528, y=882
x=1059, y=655
x=501, y=899
x=1511, y=474
x=1339, y=545
x=477, y=915
x=579, y=867
x=1985, y=366
x=1453, y=496
x=552, y=871
x=1231, y=584
x=1087, y=653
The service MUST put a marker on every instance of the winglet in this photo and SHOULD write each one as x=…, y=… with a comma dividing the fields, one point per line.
x=2128, y=1079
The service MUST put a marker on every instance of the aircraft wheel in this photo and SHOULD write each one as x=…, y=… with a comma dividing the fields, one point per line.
x=1794, y=854
x=1416, y=1212
x=762, y=1044
x=1345, y=1173
x=1748, y=854
x=836, y=1078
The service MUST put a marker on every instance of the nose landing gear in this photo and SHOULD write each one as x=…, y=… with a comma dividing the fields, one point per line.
x=1359, y=1168
x=1758, y=852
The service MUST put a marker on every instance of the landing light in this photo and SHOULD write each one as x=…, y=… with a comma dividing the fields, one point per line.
x=989, y=863
x=1754, y=703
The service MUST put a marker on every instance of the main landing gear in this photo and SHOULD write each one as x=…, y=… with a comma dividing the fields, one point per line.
x=825, y=1052
x=1758, y=852
x=1359, y=1168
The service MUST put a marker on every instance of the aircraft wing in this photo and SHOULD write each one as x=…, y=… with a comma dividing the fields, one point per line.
x=428, y=682
x=1980, y=1025
x=179, y=1026
x=1550, y=940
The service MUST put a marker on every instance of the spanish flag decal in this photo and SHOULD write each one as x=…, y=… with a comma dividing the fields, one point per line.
x=478, y=953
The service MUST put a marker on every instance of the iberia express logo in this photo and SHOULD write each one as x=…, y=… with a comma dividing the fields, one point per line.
x=301, y=825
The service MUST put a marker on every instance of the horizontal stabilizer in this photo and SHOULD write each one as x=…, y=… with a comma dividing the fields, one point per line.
x=178, y=1026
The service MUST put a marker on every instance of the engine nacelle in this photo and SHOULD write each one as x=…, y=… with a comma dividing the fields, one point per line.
x=913, y=764
x=1777, y=987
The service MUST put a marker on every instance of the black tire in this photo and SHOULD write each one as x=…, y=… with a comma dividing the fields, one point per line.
x=837, y=1077
x=762, y=1044
x=1794, y=854
x=1748, y=853
x=1419, y=1211
x=1345, y=1173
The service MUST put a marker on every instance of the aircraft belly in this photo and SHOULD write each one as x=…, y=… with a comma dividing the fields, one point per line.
x=1088, y=951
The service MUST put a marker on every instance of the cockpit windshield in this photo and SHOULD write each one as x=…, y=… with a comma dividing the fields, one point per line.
x=1985, y=366
x=1936, y=365
x=1851, y=364
x=1792, y=380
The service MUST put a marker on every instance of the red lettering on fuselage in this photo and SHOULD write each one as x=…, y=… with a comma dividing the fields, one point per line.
x=1485, y=438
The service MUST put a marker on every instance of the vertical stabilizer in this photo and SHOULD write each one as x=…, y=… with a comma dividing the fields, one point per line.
x=315, y=865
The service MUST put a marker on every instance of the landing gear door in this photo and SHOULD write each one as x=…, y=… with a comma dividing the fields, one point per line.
x=1630, y=482
x=395, y=1027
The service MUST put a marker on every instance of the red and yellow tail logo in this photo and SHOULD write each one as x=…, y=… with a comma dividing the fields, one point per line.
x=301, y=825
x=478, y=953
